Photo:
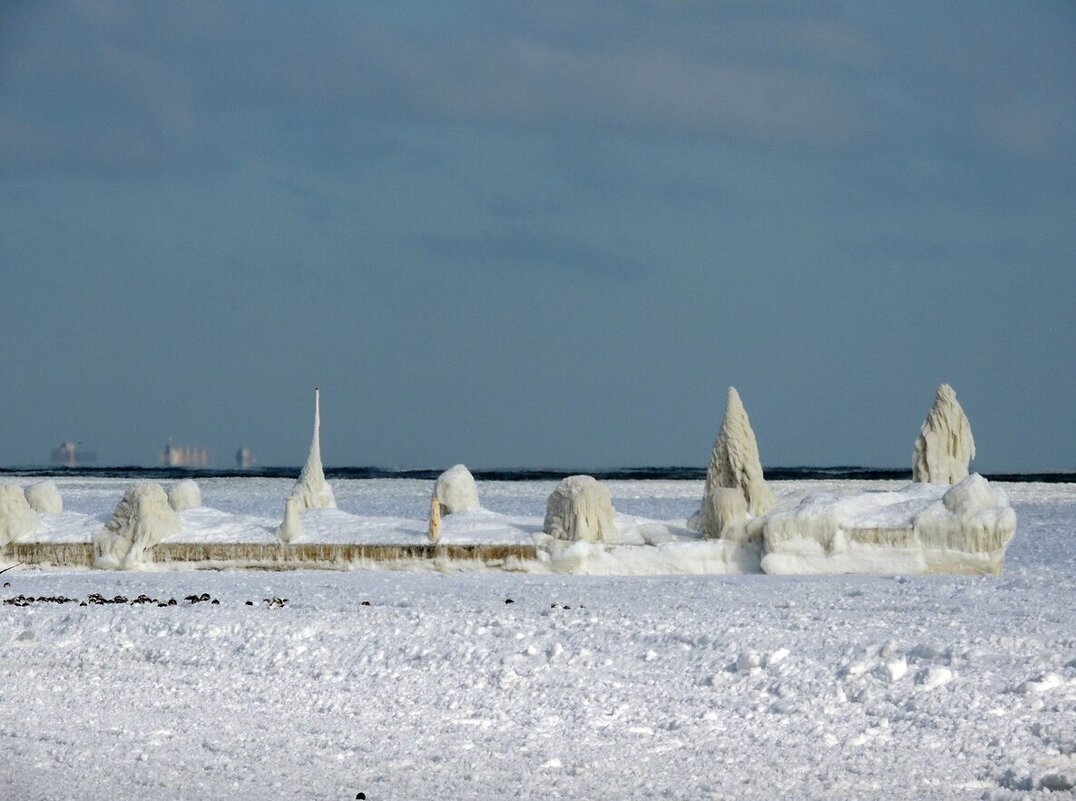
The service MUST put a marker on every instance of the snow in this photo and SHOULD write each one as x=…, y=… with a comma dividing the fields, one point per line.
x=455, y=490
x=586, y=686
x=44, y=497
x=184, y=495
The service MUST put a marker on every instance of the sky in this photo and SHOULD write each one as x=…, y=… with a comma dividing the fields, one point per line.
x=536, y=234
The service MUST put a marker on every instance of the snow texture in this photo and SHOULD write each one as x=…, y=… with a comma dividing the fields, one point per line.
x=291, y=530
x=142, y=519
x=920, y=529
x=735, y=463
x=17, y=520
x=44, y=497
x=456, y=490
x=311, y=490
x=945, y=446
x=184, y=495
x=580, y=508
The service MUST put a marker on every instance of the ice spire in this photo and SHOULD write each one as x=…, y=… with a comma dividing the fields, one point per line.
x=735, y=461
x=945, y=446
x=311, y=491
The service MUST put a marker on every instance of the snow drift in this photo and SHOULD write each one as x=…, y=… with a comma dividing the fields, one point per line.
x=141, y=520
x=921, y=528
x=734, y=464
x=44, y=497
x=184, y=494
x=456, y=491
x=945, y=446
x=17, y=519
x=580, y=509
x=311, y=490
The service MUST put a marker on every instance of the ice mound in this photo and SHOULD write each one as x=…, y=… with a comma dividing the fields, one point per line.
x=922, y=528
x=17, y=519
x=291, y=530
x=945, y=446
x=184, y=494
x=44, y=497
x=735, y=463
x=580, y=509
x=455, y=490
x=311, y=490
x=141, y=520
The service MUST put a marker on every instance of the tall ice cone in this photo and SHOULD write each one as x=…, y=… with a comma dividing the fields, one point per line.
x=311, y=490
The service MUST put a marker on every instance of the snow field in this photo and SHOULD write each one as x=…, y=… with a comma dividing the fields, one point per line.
x=683, y=687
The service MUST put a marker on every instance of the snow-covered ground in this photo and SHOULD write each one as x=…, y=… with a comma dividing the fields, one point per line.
x=689, y=687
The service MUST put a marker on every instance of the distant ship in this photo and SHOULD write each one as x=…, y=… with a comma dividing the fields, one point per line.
x=245, y=458
x=67, y=454
x=184, y=455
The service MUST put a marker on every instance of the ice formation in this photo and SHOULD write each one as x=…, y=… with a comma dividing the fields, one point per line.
x=456, y=491
x=141, y=520
x=311, y=490
x=580, y=509
x=921, y=528
x=44, y=497
x=945, y=446
x=17, y=519
x=734, y=464
x=291, y=530
x=184, y=494
x=724, y=510
x=433, y=533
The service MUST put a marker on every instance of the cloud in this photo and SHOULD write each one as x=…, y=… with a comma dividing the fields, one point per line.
x=524, y=247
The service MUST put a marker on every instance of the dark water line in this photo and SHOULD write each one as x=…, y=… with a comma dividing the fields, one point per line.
x=673, y=473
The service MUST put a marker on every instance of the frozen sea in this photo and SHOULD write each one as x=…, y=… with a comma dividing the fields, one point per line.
x=416, y=685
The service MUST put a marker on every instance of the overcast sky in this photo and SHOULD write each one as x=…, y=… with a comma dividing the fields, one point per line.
x=536, y=234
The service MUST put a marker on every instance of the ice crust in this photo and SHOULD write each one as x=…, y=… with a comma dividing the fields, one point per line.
x=17, y=520
x=456, y=491
x=184, y=495
x=580, y=508
x=311, y=490
x=142, y=519
x=44, y=497
x=945, y=446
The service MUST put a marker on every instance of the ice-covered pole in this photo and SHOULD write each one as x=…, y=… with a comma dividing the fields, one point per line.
x=311, y=490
